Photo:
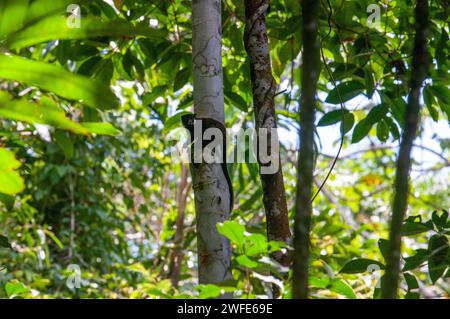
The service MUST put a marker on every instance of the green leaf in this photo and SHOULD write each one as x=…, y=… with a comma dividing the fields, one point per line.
x=413, y=228
x=332, y=117
x=430, y=100
x=46, y=113
x=361, y=130
x=65, y=143
x=233, y=231
x=246, y=262
x=173, y=121
x=12, y=15
x=15, y=288
x=101, y=128
x=317, y=282
x=377, y=113
x=342, y=288
x=440, y=221
x=382, y=131
x=416, y=260
x=411, y=281
x=255, y=244
x=56, y=28
x=347, y=125
x=383, y=245
x=413, y=284
x=4, y=243
x=181, y=78
x=236, y=100
x=347, y=91
x=57, y=80
x=360, y=265
x=439, y=252
x=212, y=291
x=10, y=180
x=276, y=245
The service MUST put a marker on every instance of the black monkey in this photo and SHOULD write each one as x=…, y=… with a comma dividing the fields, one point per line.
x=188, y=121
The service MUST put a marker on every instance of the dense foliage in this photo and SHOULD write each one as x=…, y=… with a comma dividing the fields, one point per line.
x=87, y=181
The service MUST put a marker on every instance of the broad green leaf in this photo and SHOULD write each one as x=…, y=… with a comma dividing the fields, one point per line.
x=56, y=28
x=255, y=244
x=45, y=113
x=15, y=288
x=319, y=282
x=65, y=143
x=347, y=125
x=416, y=260
x=413, y=228
x=360, y=265
x=430, y=102
x=440, y=221
x=236, y=100
x=439, y=256
x=342, y=288
x=347, y=91
x=332, y=117
x=246, y=262
x=10, y=180
x=212, y=291
x=57, y=80
x=377, y=113
x=361, y=130
x=233, y=231
x=101, y=128
x=173, y=121
x=382, y=131
x=276, y=245
x=181, y=78
x=12, y=15
x=411, y=281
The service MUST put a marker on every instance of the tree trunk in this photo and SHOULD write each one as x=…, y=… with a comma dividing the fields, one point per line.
x=211, y=188
x=177, y=254
x=264, y=87
x=418, y=74
x=303, y=205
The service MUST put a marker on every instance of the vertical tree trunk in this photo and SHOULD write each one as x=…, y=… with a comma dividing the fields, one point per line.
x=177, y=255
x=418, y=74
x=264, y=87
x=303, y=205
x=211, y=188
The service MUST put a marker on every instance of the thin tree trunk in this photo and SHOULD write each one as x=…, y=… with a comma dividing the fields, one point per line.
x=211, y=188
x=177, y=255
x=303, y=205
x=418, y=74
x=264, y=87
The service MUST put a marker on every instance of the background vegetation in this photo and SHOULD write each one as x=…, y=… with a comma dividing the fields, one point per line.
x=86, y=176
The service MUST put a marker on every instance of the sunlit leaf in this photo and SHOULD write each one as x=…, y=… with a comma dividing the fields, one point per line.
x=360, y=265
x=57, y=80
x=10, y=180
x=43, y=113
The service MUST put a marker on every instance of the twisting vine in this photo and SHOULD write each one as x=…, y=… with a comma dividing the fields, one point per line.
x=341, y=144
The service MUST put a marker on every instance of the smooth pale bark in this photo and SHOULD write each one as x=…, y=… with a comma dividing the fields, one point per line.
x=419, y=68
x=303, y=205
x=211, y=190
x=264, y=89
